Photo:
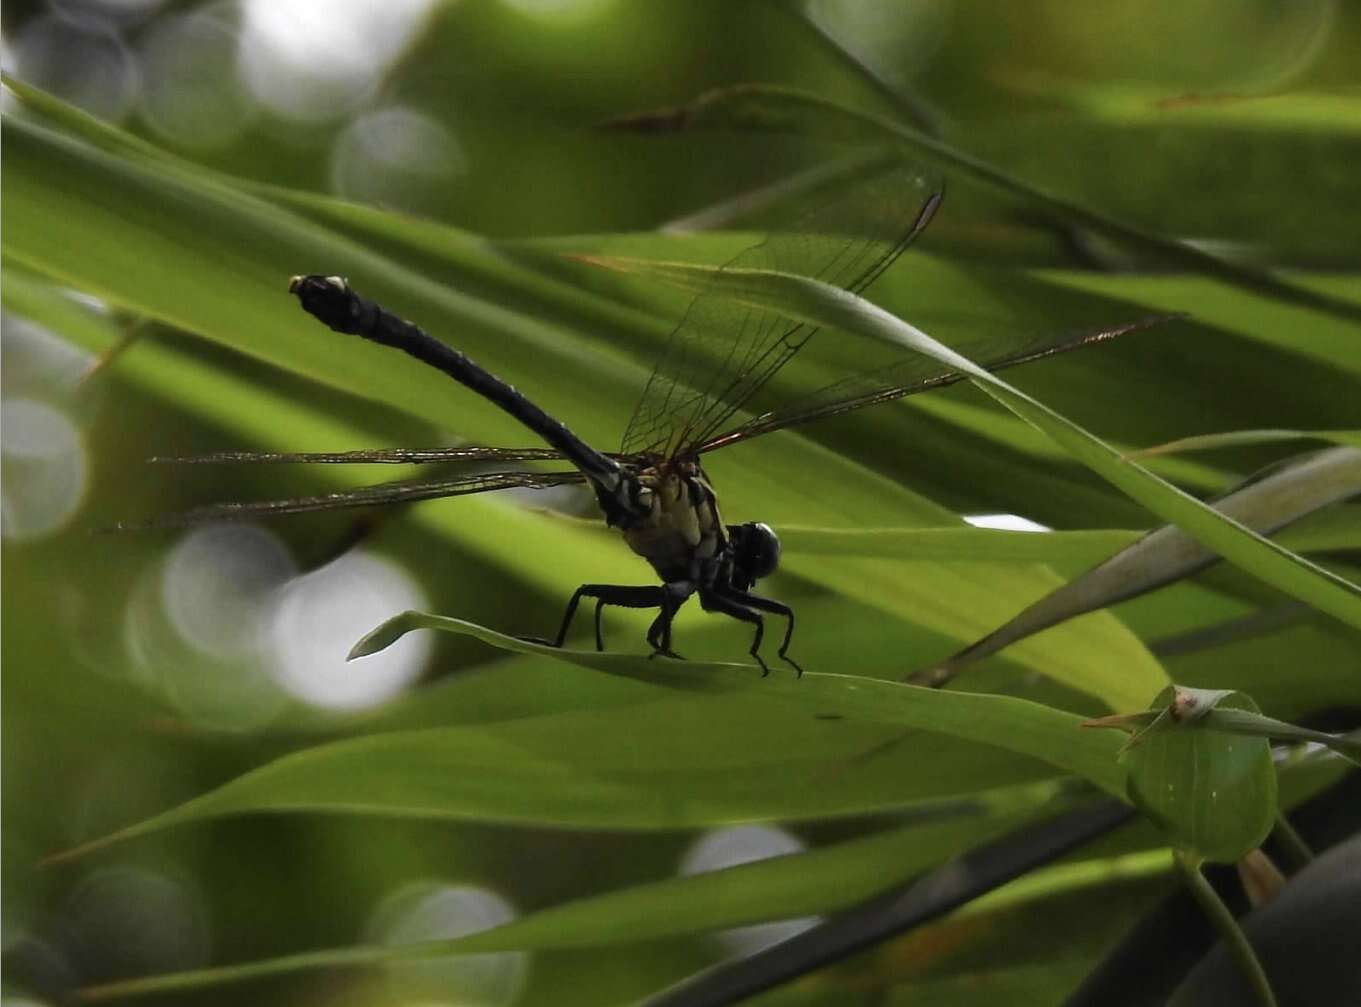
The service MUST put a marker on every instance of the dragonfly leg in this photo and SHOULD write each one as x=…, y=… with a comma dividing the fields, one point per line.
x=674, y=594
x=599, y=637
x=605, y=594
x=666, y=597
x=775, y=608
x=714, y=601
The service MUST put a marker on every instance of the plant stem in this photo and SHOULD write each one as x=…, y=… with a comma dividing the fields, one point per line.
x=1229, y=930
x=1292, y=843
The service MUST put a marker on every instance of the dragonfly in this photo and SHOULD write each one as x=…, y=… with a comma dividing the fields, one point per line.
x=699, y=398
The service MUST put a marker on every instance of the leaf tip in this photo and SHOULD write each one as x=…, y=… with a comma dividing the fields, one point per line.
x=668, y=119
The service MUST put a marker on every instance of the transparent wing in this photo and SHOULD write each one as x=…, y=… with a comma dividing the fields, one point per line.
x=721, y=354
x=368, y=496
x=374, y=456
x=912, y=374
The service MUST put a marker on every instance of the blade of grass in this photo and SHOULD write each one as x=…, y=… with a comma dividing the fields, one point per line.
x=768, y=108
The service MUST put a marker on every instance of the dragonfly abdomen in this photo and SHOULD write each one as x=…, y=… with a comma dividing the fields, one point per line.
x=332, y=301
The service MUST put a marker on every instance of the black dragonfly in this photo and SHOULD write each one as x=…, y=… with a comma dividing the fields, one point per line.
x=698, y=399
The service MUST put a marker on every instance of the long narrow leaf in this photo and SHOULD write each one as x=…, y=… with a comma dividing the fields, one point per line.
x=767, y=108
x=1169, y=553
x=586, y=769
x=807, y=300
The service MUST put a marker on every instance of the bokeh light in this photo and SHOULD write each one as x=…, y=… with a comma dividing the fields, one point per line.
x=83, y=62
x=217, y=583
x=743, y=844
x=322, y=59
x=104, y=11
x=427, y=911
x=43, y=965
x=8, y=103
x=395, y=157
x=134, y=921
x=35, y=360
x=195, y=625
x=1273, y=40
x=44, y=465
x=192, y=93
x=321, y=615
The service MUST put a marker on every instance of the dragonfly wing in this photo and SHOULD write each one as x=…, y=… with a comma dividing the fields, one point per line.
x=368, y=496
x=721, y=354
x=374, y=456
x=915, y=373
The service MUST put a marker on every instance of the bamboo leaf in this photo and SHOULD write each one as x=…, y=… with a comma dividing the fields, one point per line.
x=584, y=769
x=1170, y=554
x=1240, y=438
x=808, y=300
x=768, y=108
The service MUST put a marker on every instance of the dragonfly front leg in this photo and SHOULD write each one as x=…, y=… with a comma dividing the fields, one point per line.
x=749, y=600
x=599, y=636
x=715, y=601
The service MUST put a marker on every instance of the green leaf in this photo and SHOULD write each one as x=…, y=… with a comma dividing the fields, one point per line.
x=1170, y=554
x=1251, y=724
x=767, y=108
x=233, y=291
x=1239, y=438
x=1214, y=793
x=808, y=300
x=821, y=880
x=705, y=744
x=989, y=545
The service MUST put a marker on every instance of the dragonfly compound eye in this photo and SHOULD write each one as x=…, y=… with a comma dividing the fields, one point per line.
x=756, y=550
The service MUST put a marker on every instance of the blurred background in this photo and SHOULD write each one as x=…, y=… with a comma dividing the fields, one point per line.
x=140, y=671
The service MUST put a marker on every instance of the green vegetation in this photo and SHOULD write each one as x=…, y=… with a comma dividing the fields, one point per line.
x=200, y=793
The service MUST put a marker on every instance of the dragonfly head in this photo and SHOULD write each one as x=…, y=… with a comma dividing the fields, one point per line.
x=755, y=553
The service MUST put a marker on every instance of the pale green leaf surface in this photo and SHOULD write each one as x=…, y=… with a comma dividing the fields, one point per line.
x=1334, y=116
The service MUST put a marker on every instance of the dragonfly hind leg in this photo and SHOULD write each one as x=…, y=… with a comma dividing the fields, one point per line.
x=667, y=598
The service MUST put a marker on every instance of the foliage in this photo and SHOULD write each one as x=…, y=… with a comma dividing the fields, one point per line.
x=572, y=781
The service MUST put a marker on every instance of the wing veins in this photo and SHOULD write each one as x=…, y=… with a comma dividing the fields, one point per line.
x=367, y=456
x=810, y=409
x=410, y=491
x=666, y=418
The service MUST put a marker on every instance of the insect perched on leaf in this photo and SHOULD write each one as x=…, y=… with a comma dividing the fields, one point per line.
x=654, y=488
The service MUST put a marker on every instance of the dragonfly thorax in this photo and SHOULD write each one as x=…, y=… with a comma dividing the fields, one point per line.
x=681, y=532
